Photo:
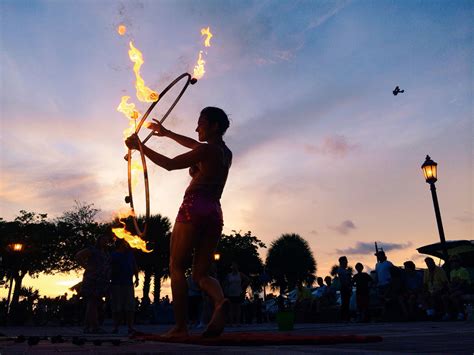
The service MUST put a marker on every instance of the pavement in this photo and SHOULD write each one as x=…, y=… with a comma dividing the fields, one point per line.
x=400, y=337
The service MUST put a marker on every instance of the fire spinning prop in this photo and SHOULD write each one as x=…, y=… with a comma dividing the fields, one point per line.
x=145, y=94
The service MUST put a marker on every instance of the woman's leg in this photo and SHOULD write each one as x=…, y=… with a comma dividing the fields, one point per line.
x=203, y=258
x=182, y=241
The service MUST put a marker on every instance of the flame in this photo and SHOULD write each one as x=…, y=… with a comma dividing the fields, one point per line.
x=206, y=32
x=136, y=168
x=144, y=93
x=121, y=30
x=128, y=109
x=133, y=240
x=199, y=67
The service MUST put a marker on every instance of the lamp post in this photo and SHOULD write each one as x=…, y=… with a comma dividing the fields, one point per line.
x=16, y=248
x=430, y=171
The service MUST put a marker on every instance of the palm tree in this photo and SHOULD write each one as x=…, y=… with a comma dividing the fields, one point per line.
x=155, y=264
x=290, y=262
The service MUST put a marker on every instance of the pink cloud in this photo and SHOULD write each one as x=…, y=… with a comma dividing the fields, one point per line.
x=335, y=145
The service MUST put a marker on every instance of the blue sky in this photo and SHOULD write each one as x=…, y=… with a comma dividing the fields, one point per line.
x=321, y=146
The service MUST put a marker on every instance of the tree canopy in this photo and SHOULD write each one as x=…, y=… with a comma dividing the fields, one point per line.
x=76, y=229
x=242, y=249
x=290, y=262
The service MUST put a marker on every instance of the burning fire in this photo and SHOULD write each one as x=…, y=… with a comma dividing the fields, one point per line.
x=206, y=32
x=199, y=67
x=133, y=240
x=144, y=93
x=128, y=109
x=121, y=30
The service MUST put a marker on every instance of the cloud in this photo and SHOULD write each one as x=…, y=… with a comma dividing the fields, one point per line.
x=345, y=227
x=465, y=218
x=53, y=188
x=322, y=18
x=335, y=145
x=367, y=248
x=287, y=120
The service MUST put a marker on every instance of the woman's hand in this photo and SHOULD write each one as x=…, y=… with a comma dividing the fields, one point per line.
x=157, y=128
x=133, y=142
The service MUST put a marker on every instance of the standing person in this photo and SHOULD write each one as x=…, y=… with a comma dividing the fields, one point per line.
x=345, y=279
x=382, y=272
x=435, y=283
x=362, y=282
x=236, y=283
x=412, y=287
x=96, y=280
x=199, y=222
x=124, y=267
x=459, y=286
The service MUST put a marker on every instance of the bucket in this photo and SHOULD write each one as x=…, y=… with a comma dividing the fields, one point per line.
x=285, y=320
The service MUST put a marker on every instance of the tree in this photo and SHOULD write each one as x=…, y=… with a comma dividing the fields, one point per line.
x=242, y=249
x=39, y=239
x=290, y=262
x=156, y=263
x=77, y=228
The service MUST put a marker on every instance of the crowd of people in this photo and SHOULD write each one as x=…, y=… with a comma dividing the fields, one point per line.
x=388, y=292
x=391, y=292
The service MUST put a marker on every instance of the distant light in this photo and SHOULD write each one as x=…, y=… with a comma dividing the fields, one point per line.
x=122, y=29
x=18, y=247
x=217, y=256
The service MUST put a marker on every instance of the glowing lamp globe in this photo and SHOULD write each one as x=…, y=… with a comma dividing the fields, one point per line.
x=217, y=256
x=17, y=247
x=430, y=170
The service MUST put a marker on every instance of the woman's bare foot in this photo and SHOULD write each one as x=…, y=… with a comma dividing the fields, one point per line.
x=175, y=332
x=217, y=323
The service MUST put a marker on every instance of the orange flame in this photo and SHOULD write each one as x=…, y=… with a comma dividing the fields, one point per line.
x=128, y=109
x=199, y=67
x=206, y=32
x=144, y=93
x=121, y=30
x=136, y=168
x=133, y=240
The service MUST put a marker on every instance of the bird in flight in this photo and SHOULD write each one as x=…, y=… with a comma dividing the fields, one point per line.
x=397, y=91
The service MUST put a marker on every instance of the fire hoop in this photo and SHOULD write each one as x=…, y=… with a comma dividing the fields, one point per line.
x=128, y=157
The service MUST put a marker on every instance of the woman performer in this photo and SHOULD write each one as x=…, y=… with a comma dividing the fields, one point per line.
x=199, y=223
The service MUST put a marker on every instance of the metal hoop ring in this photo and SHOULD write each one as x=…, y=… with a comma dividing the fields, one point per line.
x=128, y=157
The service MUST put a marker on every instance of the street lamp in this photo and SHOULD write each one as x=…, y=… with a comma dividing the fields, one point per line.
x=430, y=171
x=217, y=256
x=15, y=248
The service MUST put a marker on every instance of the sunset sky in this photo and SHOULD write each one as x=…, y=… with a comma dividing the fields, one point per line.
x=321, y=146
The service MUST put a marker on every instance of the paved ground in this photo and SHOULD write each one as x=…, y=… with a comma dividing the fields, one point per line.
x=420, y=337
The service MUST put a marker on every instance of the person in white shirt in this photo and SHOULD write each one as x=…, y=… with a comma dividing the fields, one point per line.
x=382, y=272
x=236, y=283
